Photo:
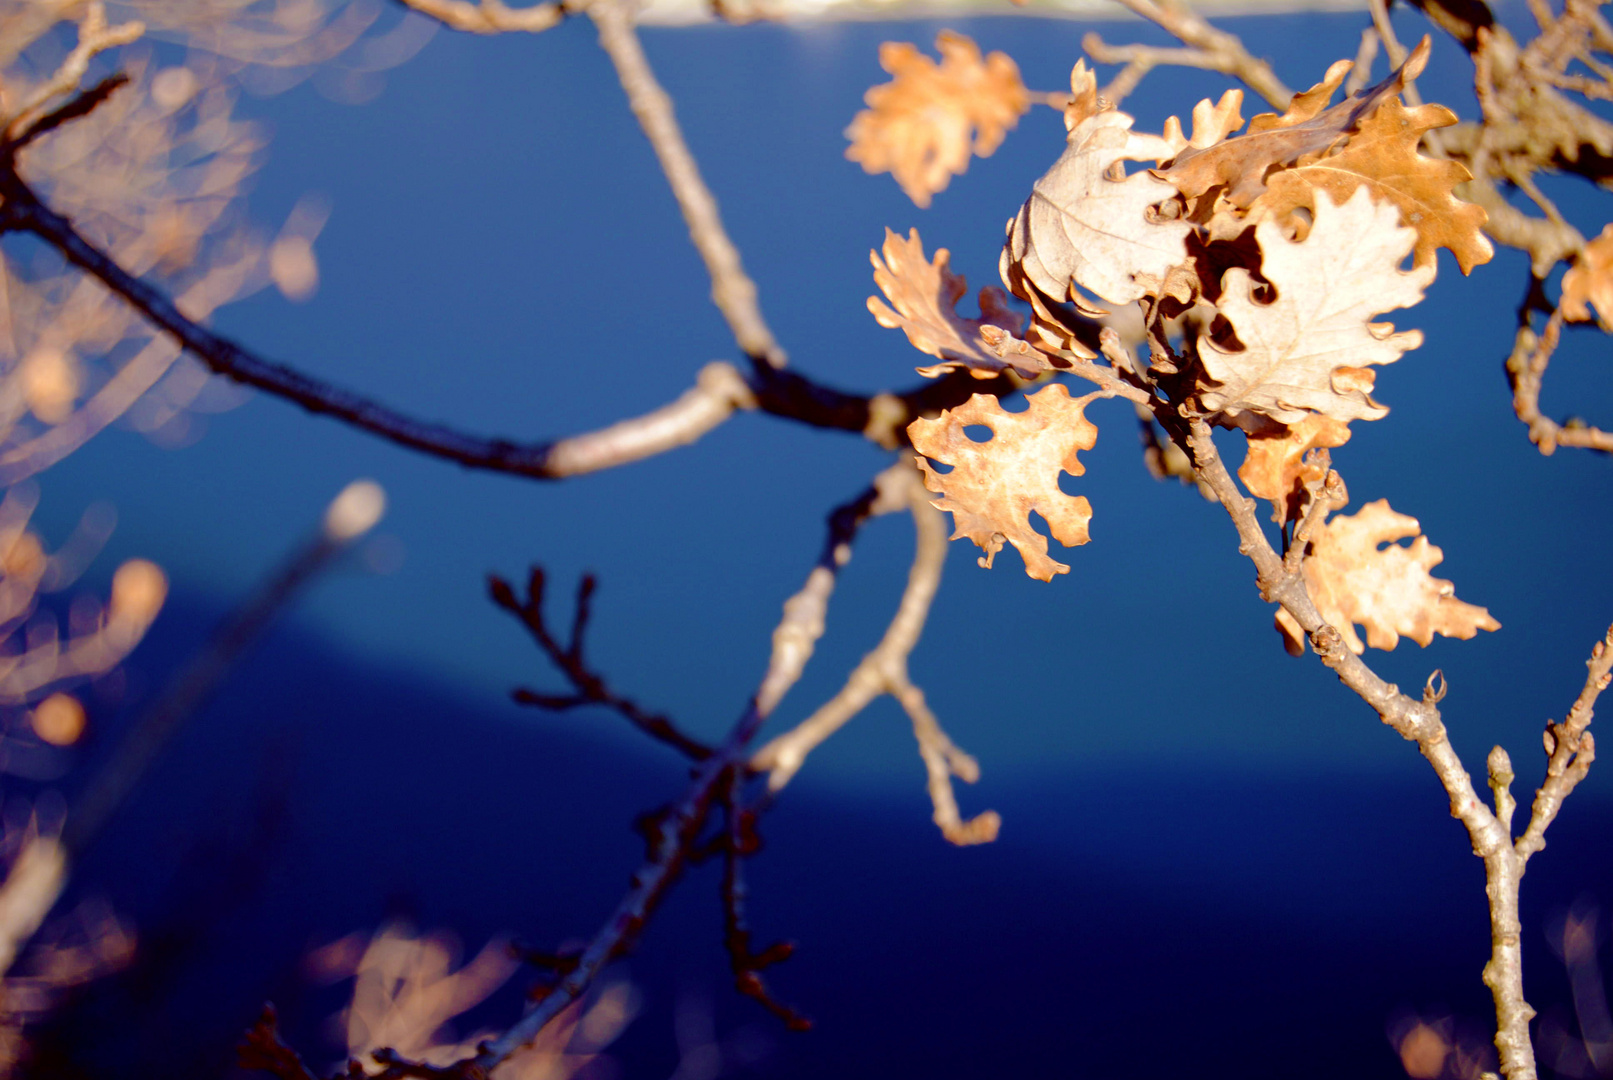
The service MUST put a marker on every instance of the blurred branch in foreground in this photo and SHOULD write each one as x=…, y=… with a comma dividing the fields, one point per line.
x=40, y=868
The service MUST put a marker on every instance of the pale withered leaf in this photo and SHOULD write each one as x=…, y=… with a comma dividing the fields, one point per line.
x=1311, y=348
x=925, y=296
x=994, y=486
x=922, y=125
x=1590, y=281
x=1387, y=590
x=1082, y=227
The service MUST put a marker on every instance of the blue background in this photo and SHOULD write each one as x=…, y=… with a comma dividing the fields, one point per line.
x=1213, y=855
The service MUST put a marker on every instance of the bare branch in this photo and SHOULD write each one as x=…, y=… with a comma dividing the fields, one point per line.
x=720, y=390
x=1208, y=48
x=732, y=290
x=590, y=687
x=490, y=16
x=1418, y=721
x=740, y=841
x=94, y=37
x=1526, y=369
x=675, y=832
x=1570, y=749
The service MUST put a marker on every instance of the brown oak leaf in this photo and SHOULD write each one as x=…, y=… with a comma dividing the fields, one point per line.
x=994, y=486
x=1383, y=156
x=1276, y=469
x=926, y=295
x=921, y=126
x=1310, y=348
x=1083, y=227
x=1387, y=590
x=1241, y=164
x=1590, y=281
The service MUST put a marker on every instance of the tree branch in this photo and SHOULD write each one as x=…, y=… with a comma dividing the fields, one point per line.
x=732, y=290
x=490, y=16
x=1208, y=47
x=591, y=688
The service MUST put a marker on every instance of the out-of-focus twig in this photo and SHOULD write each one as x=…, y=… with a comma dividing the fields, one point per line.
x=881, y=418
x=1207, y=47
x=352, y=514
x=94, y=38
x=489, y=16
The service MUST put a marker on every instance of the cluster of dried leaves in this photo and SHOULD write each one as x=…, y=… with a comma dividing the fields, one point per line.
x=1261, y=262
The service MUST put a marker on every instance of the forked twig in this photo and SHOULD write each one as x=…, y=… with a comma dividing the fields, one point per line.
x=590, y=686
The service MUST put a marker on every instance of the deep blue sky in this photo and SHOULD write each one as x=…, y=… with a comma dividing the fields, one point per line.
x=1214, y=857
x=504, y=255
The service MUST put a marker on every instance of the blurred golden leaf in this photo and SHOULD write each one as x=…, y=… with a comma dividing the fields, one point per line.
x=1388, y=590
x=994, y=486
x=1590, y=281
x=58, y=720
x=921, y=126
x=1309, y=347
x=926, y=295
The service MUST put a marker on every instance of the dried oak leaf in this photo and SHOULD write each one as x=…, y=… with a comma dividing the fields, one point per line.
x=1211, y=124
x=926, y=295
x=1388, y=590
x=1241, y=164
x=921, y=126
x=1082, y=227
x=1309, y=349
x=1590, y=281
x=994, y=486
x=1275, y=467
x=1382, y=155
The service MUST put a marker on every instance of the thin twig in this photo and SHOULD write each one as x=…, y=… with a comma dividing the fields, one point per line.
x=740, y=842
x=1526, y=369
x=1570, y=749
x=884, y=671
x=732, y=290
x=94, y=37
x=1209, y=48
x=1418, y=721
x=489, y=16
x=590, y=686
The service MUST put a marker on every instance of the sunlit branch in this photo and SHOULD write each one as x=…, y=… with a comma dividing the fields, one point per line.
x=1526, y=368
x=677, y=829
x=884, y=671
x=94, y=37
x=1420, y=722
x=489, y=16
x=1208, y=48
x=1570, y=749
x=732, y=290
